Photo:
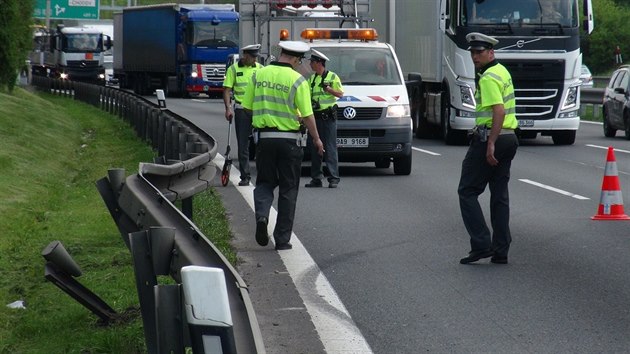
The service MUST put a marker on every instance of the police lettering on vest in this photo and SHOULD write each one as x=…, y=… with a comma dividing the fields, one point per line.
x=273, y=85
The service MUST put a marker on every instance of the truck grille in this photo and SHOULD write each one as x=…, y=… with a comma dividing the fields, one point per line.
x=362, y=113
x=83, y=63
x=538, y=87
x=213, y=71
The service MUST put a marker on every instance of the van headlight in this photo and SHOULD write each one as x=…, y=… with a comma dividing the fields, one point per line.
x=398, y=111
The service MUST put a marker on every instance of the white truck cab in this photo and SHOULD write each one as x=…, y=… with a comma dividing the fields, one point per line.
x=374, y=122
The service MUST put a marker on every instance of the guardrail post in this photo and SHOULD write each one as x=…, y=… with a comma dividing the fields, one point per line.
x=151, y=252
x=169, y=320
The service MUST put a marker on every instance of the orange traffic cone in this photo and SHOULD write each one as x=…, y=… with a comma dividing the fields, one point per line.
x=611, y=200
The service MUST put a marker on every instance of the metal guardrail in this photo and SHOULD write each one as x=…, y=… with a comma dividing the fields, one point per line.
x=161, y=238
x=591, y=95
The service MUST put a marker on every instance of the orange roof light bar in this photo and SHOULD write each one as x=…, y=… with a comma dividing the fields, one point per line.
x=284, y=34
x=363, y=34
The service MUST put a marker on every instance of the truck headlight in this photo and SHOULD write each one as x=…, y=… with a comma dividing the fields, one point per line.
x=398, y=111
x=63, y=75
x=468, y=96
x=571, y=99
x=101, y=76
x=193, y=74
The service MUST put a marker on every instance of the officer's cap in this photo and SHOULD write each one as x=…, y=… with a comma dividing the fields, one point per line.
x=252, y=49
x=480, y=41
x=316, y=55
x=294, y=48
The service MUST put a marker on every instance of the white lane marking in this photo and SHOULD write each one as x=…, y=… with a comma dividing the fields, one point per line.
x=198, y=100
x=553, y=189
x=606, y=148
x=426, y=151
x=333, y=323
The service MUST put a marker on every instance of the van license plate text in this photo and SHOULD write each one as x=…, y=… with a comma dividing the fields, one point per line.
x=525, y=122
x=352, y=142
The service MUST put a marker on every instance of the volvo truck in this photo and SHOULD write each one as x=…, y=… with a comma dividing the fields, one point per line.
x=181, y=49
x=542, y=54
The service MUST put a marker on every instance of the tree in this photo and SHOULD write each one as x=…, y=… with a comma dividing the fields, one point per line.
x=15, y=36
x=612, y=29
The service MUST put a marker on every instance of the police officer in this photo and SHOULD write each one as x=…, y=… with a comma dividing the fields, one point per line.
x=237, y=76
x=325, y=89
x=490, y=155
x=280, y=99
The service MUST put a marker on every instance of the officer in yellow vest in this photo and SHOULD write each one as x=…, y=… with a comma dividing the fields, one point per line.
x=325, y=89
x=280, y=99
x=237, y=76
x=489, y=157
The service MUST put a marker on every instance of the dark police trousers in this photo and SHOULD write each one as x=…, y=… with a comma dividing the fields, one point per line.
x=243, y=127
x=278, y=164
x=476, y=175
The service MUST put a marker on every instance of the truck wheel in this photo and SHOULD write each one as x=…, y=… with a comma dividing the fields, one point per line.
x=609, y=131
x=450, y=136
x=422, y=127
x=402, y=165
x=564, y=137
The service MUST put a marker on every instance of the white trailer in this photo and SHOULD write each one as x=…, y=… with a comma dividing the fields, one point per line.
x=542, y=55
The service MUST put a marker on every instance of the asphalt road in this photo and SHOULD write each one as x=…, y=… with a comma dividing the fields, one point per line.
x=389, y=246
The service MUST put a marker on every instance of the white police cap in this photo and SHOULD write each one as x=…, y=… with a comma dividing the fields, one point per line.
x=317, y=55
x=480, y=41
x=251, y=49
x=294, y=48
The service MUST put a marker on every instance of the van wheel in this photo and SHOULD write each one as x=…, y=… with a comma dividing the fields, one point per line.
x=402, y=165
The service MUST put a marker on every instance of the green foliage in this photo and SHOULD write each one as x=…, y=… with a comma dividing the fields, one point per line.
x=52, y=151
x=15, y=36
x=612, y=29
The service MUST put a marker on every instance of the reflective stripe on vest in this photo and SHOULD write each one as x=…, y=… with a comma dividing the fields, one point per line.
x=274, y=101
x=499, y=75
x=240, y=82
x=325, y=99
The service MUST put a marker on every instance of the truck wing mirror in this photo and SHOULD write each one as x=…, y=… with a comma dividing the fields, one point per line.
x=108, y=42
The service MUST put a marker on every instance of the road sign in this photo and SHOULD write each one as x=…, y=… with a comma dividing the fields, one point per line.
x=68, y=9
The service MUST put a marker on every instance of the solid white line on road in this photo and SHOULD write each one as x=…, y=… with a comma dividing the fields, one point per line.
x=553, y=189
x=426, y=151
x=606, y=148
x=333, y=323
x=198, y=100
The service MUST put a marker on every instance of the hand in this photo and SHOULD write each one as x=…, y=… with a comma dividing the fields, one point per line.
x=229, y=114
x=320, y=146
x=492, y=161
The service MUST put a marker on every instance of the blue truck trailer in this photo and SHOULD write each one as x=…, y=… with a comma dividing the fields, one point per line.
x=181, y=49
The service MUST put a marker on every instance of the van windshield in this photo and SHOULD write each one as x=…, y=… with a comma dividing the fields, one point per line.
x=362, y=66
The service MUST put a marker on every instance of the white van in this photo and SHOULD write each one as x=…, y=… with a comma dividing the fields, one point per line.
x=374, y=122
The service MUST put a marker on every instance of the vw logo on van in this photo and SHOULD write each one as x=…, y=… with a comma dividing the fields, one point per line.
x=349, y=113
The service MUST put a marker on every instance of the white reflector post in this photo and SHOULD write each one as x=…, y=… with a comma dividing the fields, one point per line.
x=207, y=309
x=160, y=98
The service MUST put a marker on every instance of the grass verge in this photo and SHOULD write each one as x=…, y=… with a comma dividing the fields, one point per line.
x=52, y=151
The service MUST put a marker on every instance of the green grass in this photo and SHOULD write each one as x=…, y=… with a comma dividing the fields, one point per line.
x=52, y=151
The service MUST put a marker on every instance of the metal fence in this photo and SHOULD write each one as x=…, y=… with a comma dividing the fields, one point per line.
x=162, y=239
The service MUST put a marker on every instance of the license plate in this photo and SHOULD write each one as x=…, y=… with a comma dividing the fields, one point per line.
x=525, y=122
x=352, y=142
